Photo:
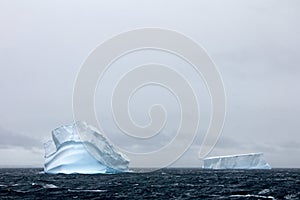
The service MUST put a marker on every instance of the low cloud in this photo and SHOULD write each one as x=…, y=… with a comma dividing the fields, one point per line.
x=14, y=139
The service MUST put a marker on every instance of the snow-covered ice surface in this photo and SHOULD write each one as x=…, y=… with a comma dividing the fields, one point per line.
x=241, y=161
x=86, y=153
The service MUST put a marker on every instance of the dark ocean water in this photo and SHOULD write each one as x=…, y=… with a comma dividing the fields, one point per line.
x=162, y=184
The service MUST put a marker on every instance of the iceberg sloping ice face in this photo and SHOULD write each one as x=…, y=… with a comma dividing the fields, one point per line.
x=242, y=161
x=86, y=153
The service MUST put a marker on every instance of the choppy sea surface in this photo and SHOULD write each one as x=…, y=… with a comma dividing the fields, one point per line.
x=161, y=184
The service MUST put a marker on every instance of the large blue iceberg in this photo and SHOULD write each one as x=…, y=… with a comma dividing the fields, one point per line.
x=86, y=153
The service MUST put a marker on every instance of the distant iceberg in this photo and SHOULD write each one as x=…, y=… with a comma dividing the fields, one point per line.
x=241, y=161
x=86, y=153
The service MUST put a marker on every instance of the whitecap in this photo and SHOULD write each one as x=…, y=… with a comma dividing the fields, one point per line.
x=50, y=186
x=264, y=191
x=290, y=196
x=80, y=190
x=253, y=195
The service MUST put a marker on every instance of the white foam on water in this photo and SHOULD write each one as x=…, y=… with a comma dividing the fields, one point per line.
x=252, y=195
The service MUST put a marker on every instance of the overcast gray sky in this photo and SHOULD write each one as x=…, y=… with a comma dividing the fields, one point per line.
x=255, y=44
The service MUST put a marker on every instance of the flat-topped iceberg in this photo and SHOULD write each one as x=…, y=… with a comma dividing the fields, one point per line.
x=78, y=148
x=241, y=161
